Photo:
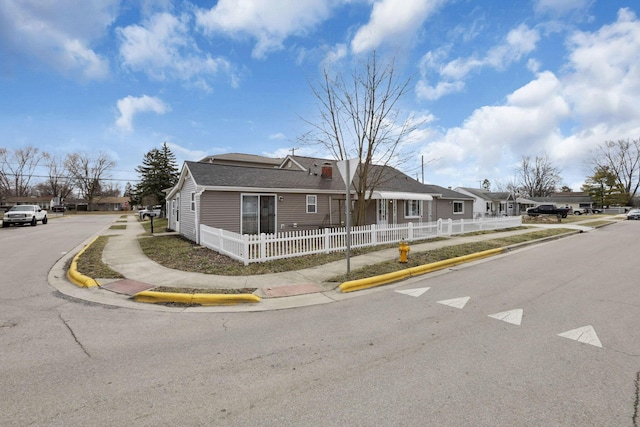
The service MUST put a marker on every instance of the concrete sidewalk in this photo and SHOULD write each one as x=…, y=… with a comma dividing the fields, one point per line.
x=279, y=290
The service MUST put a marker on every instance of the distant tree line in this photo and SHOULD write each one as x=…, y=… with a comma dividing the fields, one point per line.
x=83, y=175
x=614, y=178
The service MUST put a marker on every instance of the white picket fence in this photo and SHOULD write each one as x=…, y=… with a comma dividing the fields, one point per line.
x=250, y=248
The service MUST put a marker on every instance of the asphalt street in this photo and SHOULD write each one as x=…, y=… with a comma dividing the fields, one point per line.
x=436, y=350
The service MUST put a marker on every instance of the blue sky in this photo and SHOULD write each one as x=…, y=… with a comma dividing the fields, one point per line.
x=492, y=80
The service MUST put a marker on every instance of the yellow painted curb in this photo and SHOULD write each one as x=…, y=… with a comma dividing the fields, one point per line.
x=370, y=282
x=75, y=276
x=195, y=298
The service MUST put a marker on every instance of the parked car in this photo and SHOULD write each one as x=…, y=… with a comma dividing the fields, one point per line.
x=58, y=208
x=633, y=214
x=24, y=214
x=581, y=211
x=548, y=210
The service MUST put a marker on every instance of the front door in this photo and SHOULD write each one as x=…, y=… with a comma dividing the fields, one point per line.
x=177, y=214
x=383, y=211
x=268, y=214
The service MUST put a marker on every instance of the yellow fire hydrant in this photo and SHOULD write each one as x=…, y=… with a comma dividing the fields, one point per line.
x=404, y=251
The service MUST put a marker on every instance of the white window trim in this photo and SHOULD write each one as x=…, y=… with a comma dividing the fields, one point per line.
x=312, y=201
x=192, y=205
x=408, y=214
x=455, y=202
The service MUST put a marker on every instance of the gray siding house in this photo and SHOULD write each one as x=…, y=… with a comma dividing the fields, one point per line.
x=252, y=196
x=490, y=203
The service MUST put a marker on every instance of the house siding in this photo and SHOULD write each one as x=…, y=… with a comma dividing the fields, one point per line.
x=221, y=209
x=292, y=211
x=187, y=216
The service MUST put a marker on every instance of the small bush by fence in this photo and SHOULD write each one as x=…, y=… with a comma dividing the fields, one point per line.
x=264, y=247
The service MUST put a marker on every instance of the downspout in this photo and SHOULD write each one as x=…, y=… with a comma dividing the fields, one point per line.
x=197, y=214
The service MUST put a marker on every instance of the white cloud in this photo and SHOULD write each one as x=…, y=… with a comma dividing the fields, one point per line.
x=603, y=82
x=58, y=34
x=558, y=8
x=566, y=115
x=393, y=21
x=528, y=123
x=518, y=43
x=335, y=54
x=163, y=49
x=129, y=106
x=269, y=23
x=424, y=91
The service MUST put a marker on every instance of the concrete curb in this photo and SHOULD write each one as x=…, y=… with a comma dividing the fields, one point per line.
x=195, y=298
x=75, y=276
x=84, y=281
x=369, y=282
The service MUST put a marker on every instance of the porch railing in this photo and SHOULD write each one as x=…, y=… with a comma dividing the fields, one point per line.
x=264, y=247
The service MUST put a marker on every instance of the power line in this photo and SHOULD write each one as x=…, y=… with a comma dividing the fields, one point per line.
x=72, y=178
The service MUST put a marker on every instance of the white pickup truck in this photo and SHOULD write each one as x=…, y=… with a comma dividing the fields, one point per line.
x=24, y=214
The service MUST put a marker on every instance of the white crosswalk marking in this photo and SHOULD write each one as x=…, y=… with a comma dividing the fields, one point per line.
x=456, y=302
x=586, y=335
x=414, y=292
x=512, y=316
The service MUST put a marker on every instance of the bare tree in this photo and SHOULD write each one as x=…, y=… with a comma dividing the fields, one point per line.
x=359, y=117
x=58, y=184
x=5, y=184
x=18, y=168
x=622, y=159
x=88, y=172
x=538, y=178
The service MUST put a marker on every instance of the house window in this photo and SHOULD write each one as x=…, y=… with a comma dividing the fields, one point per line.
x=193, y=202
x=412, y=209
x=458, y=207
x=312, y=204
x=258, y=214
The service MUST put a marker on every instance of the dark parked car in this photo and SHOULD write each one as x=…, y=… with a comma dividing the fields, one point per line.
x=58, y=208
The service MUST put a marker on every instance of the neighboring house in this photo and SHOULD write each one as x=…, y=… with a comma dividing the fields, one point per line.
x=576, y=200
x=489, y=204
x=43, y=202
x=298, y=193
x=99, y=204
x=108, y=203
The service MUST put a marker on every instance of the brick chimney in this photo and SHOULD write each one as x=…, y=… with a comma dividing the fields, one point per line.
x=327, y=171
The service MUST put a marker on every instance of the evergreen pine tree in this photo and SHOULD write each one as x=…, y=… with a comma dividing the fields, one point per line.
x=158, y=172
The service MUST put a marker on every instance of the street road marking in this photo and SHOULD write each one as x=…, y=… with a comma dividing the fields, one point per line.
x=414, y=292
x=512, y=316
x=456, y=302
x=586, y=335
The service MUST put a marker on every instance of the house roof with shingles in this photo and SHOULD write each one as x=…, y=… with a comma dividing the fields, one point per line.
x=488, y=195
x=232, y=177
x=304, y=175
x=565, y=197
x=249, y=160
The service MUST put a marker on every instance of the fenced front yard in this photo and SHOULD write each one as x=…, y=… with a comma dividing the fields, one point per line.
x=264, y=247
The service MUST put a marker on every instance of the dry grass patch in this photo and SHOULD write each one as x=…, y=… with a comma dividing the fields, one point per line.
x=447, y=252
x=90, y=262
